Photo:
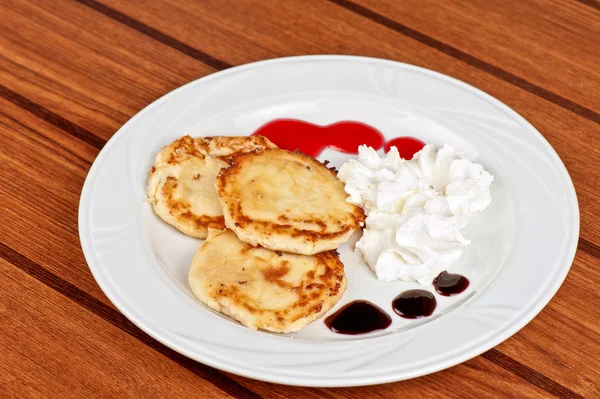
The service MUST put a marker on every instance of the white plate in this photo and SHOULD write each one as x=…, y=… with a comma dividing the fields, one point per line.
x=523, y=244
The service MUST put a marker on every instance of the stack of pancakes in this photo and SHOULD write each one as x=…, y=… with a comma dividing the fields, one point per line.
x=272, y=220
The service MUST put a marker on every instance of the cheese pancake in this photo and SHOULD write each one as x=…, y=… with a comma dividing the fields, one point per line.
x=181, y=184
x=287, y=202
x=262, y=289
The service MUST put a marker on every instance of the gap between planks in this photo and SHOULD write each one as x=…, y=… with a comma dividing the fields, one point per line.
x=375, y=17
x=470, y=59
x=590, y=3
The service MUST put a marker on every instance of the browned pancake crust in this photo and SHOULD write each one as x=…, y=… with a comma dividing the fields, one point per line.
x=179, y=168
x=181, y=181
x=303, y=229
x=181, y=209
x=227, y=147
x=263, y=289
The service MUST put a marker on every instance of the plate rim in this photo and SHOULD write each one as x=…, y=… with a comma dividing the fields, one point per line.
x=514, y=327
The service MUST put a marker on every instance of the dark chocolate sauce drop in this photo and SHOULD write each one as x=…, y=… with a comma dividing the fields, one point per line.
x=448, y=284
x=414, y=304
x=358, y=317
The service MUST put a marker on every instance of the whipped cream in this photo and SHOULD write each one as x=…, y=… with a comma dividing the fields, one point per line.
x=415, y=209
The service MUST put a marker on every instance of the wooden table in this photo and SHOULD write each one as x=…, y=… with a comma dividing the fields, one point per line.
x=73, y=71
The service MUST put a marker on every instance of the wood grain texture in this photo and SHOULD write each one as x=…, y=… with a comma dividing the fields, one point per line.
x=40, y=198
x=75, y=71
x=563, y=341
x=91, y=69
x=51, y=347
x=552, y=44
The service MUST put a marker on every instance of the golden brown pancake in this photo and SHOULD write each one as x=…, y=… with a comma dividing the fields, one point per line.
x=287, y=202
x=263, y=289
x=181, y=184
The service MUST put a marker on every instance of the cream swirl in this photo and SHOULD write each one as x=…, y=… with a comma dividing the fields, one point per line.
x=416, y=209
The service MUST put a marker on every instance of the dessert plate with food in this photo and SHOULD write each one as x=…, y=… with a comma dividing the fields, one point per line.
x=329, y=221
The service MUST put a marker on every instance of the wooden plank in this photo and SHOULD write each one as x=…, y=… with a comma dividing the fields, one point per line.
x=41, y=175
x=563, y=341
x=91, y=70
x=552, y=44
x=308, y=31
x=52, y=347
x=552, y=120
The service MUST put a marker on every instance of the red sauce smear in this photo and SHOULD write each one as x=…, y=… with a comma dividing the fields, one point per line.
x=407, y=146
x=311, y=139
